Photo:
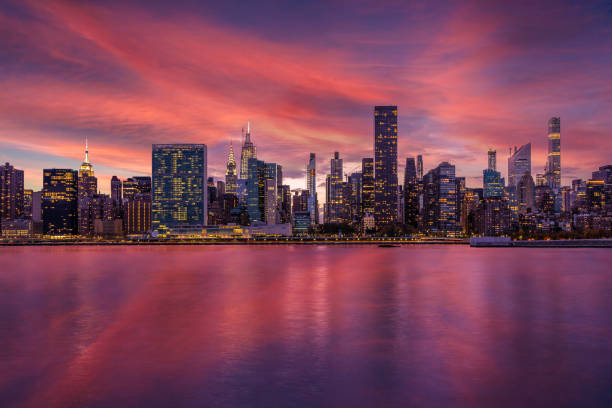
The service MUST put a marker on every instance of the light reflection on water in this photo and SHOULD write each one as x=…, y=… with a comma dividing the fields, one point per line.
x=305, y=326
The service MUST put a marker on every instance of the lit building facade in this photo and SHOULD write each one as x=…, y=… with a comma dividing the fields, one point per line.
x=11, y=192
x=367, y=186
x=179, y=193
x=311, y=186
x=553, y=164
x=231, y=176
x=249, y=151
x=87, y=187
x=440, y=200
x=334, y=191
x=385, y=165
x=519, y=164
x=60, y=202
x=411, y=194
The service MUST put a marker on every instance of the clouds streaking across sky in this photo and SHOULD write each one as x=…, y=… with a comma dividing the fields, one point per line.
x=466, y=76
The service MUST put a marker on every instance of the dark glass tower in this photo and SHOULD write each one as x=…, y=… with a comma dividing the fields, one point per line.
x=385, y=164
x=11, y=192
x=60, y=202
x=553, y=165
x=179, y=187
x=367, y=185
x=411, y=194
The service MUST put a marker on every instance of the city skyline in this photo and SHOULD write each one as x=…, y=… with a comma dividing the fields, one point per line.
x=126, y=87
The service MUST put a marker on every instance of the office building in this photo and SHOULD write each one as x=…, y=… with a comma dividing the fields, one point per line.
x=231, y=176
x=525, y=192
x=311, y=186
x=553, y=164
x=419, y=168
x=367, y=186
x=440, y=200
x=334, y=188
x=179, y=190
x=493, y=183
x=249, y=151
x=134, y=186
x=60, y=202
x=87, y=187
x=519, y=164
x=385, y=164
x=411, y=194
x=11, y=192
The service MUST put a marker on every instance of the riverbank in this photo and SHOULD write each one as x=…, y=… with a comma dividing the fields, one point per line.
x=477, y=243
x=565, y=243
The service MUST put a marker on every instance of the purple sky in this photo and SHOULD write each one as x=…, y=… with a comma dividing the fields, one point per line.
x=466, y=76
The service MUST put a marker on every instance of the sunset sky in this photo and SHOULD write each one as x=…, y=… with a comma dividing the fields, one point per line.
x=466, y=76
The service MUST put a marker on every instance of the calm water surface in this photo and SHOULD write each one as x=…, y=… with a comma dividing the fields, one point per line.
x=305, y=326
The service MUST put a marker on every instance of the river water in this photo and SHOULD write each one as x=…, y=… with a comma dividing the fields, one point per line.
x=305, y=326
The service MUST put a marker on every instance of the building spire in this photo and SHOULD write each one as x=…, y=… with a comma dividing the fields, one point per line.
x=86, y=151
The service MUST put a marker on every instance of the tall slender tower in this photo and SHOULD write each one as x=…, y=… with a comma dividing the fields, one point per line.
x=311, y=186
x=248, y=151
x=553, y=165
x=230, y=173
x=385, y=164
x=419, y=168
x=87, y=187
x=492, y=160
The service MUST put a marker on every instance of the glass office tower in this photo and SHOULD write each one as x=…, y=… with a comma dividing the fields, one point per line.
x=385, y=164
x=179, y=199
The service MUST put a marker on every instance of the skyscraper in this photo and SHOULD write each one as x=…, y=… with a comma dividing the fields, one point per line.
x=116, y=194
x=493, y=183
x=440, y=200
x=525, y=192
x=87, y=187
x=492, y=155
x=411, y=194
x=137, y=185
x=311, y=186
x=11, y=192
x=553, y=165
x=367, y=186
x=334, y=199
x=519, y=163
x=385, y=164
x=230, y=173
x=179, y=187
x=248, y=151
x=60, y=202
x=255, y=189
x=419, y=168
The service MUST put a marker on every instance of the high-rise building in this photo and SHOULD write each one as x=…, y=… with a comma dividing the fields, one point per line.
x=419, y=168
x=492, y=154
x=355, y=180
x=137, y=205
x=270, y=199
x=311, y=186
x=262, y=191
x=37, y=206
x=493, y=216
x=137, y=214
x=116, y=187
x=87, y=187
x=334, y=191
x=440, y=200
x=230, y=173
x=411, y=194
x=519, y=163
x=27, y=203
x=525, y=192
x=179, y=187
x=60, y=202
x=385, y=164
x=256, y=189
x=248, y=151
x=137, y=185
x=553, y=164
x=11, y=192
x=493, y=183
x=367, y=186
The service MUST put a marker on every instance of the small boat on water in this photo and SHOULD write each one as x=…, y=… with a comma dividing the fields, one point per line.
x=388, y=245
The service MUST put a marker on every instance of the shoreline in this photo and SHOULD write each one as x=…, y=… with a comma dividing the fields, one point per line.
x=577, y=243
